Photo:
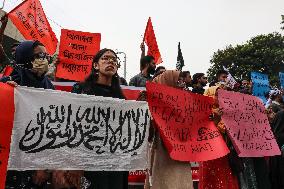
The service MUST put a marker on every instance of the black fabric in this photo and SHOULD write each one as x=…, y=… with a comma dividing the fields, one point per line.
x=278, y=128
x=103, y=179
x=277, y=162
x=277, y=172
x=198, y=90
x=261, y=173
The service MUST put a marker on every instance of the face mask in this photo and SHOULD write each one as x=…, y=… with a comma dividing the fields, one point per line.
x=151, y=70
x=40, y=66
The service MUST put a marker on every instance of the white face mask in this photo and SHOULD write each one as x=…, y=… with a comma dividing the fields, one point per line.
x=40, y=66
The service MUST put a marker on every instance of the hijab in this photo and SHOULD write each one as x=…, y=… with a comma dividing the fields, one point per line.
x=169, y=78
x=22, y=73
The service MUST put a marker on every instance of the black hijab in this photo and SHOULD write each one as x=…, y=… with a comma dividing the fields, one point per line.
x=22, y=73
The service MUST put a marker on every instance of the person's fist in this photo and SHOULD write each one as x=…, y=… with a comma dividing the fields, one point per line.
x=142, y=47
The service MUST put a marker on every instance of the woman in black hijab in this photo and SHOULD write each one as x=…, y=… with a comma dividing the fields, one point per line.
x=30, y=67
x=277, y=162
x=104, y=81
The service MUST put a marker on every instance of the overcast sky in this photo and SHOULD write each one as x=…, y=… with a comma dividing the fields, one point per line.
x=202, y=26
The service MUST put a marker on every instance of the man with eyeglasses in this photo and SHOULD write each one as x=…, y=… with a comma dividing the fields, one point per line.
x=199, y=81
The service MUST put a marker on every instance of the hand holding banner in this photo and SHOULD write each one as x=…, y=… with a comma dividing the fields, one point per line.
x=76, y=52
x=183, y=122
x=247, y=124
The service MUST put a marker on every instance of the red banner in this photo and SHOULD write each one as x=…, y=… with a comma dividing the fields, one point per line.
x=31, y=21
x=6, y=116
x=76, y=52
x=150, y=39
x=183, y=122
x=247, y=124
x=130, y=93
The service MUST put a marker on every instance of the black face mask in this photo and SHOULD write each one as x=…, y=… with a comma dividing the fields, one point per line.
x=151, y=70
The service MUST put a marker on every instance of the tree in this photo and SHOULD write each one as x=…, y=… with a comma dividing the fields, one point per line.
x=282, y=22
x=263, y=53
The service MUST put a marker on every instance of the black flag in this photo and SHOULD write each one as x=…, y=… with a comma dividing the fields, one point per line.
x=180, y=61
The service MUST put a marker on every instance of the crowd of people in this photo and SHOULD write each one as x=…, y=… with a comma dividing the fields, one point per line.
x=30, y=63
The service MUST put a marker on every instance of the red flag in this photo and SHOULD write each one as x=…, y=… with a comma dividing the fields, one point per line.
x=31, y=21
x=76, y=52
x=150, y=40
x=183, y=122
x=6, y=116
x=8, y=70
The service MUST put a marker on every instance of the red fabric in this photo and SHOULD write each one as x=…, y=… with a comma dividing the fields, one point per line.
x=76, y=52
x=217, y=174
x=8, y=70
x=31, y=21
x=150, y=40
x=183, y=122
x=130, y=94
x=137, y=176
x=6, y=124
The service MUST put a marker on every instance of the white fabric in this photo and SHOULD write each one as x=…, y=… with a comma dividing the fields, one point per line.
x=231, y=82
x=92, y=147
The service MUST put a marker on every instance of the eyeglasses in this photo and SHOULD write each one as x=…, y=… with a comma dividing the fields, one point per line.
x=112, y=59
x=42, y=56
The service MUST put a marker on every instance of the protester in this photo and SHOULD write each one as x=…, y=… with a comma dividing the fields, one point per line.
x=277, y=162
x=147, y=67
x=199, y=81
x=217, y=174
x=166, y=173
x=187, y=78
x=221, y=76
x=246, y=87
x=104, y=81
x=30, y=68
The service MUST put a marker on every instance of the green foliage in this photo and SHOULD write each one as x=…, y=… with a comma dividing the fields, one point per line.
x=263, y=53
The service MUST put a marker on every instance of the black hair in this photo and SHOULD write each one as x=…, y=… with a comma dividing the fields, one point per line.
x=197, y=76
x=144, y=61
x=183, y=74
x=220, y=72
x=37, y=43
x=159, y=68
x=93, y=77
x=122, y=81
